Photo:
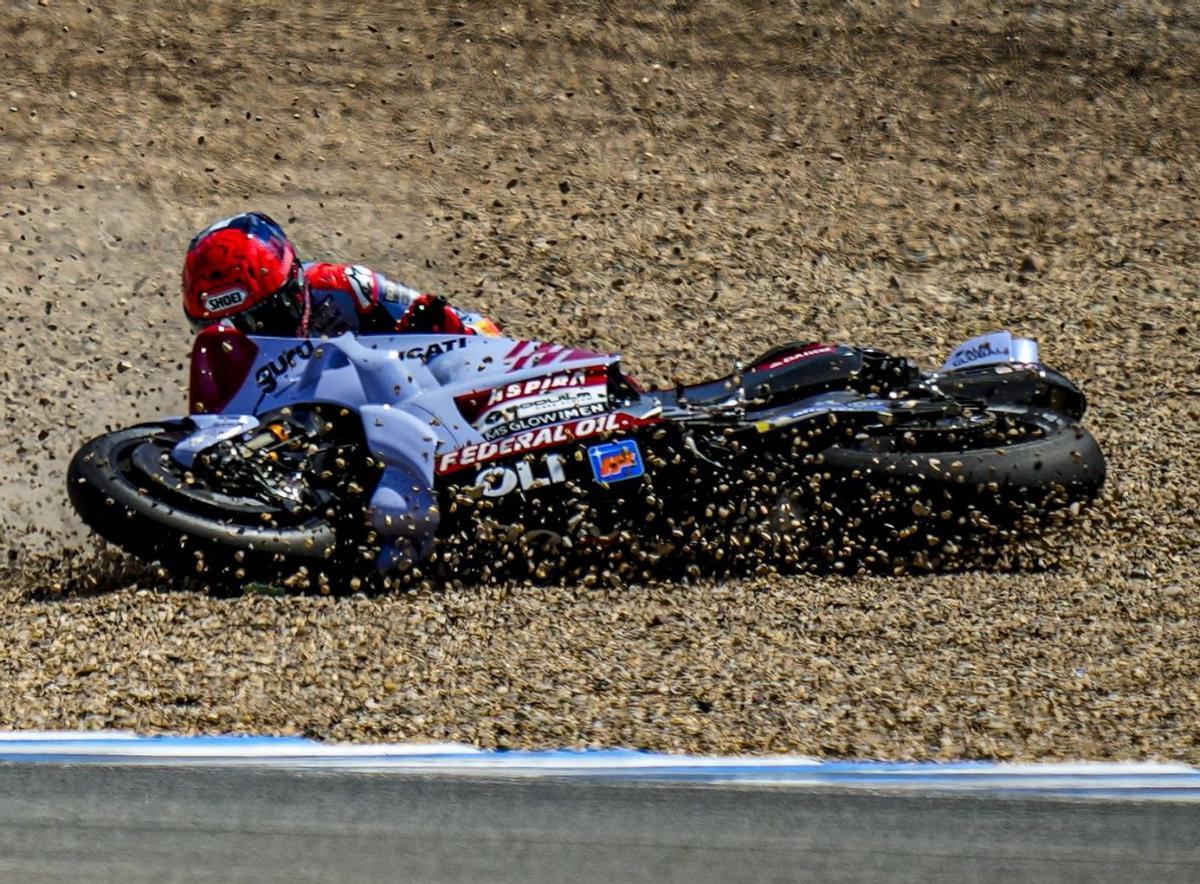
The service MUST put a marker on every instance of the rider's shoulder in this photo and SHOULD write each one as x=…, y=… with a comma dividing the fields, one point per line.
x=355, y=279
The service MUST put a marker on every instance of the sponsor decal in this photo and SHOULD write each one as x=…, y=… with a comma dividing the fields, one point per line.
x=544, y=420
x=994, y=348
x=267, y=377
x=985, y=350
x=536, y=402
x=616, y=461
x=540, y=402
x=428, y=354
x=532, y=440
x=396, y=293
x=497, y=481
x=545, y=404
x=796, y=356
x=544, y=384
x=224, y=300
x=362, y=286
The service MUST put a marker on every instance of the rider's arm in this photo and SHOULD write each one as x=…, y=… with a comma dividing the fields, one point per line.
x=413, y=311
x=431, y=313
x=385, y=305
x=370, y=291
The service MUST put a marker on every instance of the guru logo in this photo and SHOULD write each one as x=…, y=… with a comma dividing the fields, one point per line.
x=267, y=377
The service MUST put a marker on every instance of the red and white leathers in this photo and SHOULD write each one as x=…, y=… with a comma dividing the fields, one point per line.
x=353, y=298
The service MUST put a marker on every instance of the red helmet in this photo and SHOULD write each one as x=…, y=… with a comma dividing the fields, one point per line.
x=245, y=270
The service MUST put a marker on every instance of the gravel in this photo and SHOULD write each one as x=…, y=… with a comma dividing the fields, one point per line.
x=689, y=187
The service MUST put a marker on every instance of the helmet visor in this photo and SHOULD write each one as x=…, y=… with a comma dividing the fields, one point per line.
x=281, y=314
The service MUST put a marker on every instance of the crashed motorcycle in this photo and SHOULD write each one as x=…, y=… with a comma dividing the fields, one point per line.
x=823, y=453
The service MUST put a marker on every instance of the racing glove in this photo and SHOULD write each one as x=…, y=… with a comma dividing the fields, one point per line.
x=431, y=314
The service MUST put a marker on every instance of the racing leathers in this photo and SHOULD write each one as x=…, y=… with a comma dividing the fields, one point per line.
x=351, y=298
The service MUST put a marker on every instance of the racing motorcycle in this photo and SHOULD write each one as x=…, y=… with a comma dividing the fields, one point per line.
x=814, y=452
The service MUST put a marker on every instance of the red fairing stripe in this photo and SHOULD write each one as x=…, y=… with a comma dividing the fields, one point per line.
x=534, y=440
x=541, y=354
x=515, y=351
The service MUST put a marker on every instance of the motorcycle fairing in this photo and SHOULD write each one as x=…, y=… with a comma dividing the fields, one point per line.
x=407, y=385
x=412, y=390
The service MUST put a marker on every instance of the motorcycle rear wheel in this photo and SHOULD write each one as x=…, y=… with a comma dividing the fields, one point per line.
x=1031, y=454
x=870, y=500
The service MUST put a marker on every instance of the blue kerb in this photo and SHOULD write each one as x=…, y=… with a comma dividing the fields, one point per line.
x=1096, y=781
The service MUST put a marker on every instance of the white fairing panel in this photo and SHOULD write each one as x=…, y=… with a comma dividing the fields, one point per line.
x=992, y=349
x=419, y=377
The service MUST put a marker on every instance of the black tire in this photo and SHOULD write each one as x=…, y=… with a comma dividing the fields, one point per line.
x=146, y=517
x=1063, y=460
x=869, y=504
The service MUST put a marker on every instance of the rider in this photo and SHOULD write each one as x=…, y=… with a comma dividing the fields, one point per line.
x=244, y=271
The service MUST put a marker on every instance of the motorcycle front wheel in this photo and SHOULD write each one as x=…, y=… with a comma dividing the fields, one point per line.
x=127, y=487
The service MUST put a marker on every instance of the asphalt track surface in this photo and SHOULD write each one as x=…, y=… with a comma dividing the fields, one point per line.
x=62, y=822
